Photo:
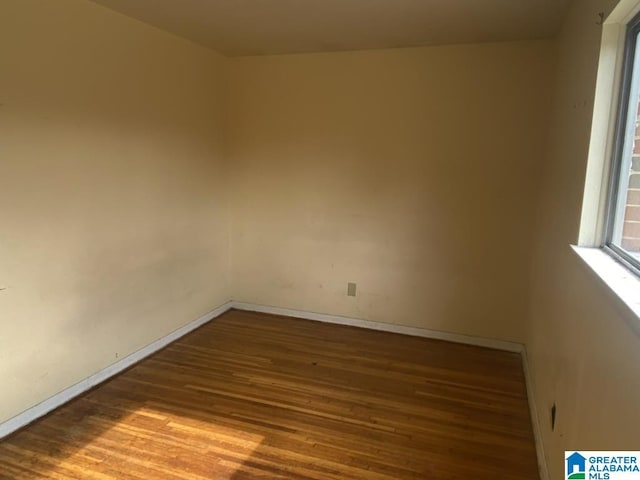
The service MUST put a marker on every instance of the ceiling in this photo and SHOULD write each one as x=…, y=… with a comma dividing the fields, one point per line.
x=258, y=27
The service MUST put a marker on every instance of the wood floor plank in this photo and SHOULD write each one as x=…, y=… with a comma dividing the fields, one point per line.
x=255, y=396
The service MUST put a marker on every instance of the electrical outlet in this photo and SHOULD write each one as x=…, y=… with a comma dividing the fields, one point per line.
x=351, y=289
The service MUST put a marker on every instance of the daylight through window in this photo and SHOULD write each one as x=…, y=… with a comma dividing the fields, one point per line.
x=623, y=232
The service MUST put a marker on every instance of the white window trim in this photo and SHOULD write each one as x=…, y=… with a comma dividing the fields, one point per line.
x=617, y=277
x=621, y=280
x=603, y=127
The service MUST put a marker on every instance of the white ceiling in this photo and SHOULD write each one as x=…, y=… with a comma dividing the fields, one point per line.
x=255, y=27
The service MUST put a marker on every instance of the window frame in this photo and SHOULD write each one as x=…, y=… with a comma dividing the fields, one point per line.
x=630, y=62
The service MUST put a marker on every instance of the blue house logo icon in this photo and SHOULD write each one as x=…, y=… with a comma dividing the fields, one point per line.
x=576, y=466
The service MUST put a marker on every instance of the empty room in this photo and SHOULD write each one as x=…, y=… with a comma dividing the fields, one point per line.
x=338, y=239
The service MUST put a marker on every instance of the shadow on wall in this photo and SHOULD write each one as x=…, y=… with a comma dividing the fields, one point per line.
x=253, y=399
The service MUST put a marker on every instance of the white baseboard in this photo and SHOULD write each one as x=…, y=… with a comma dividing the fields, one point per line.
x=535, y=419
x=73, y=391
x=385, y=327
x=68, y=394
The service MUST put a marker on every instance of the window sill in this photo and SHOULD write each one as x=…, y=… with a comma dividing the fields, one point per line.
x=624, y=283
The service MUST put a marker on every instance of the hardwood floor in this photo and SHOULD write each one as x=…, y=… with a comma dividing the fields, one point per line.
x=254, y=396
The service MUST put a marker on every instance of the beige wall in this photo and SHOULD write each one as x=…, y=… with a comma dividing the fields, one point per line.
x=411, y=172
x=112, y=207
x=416, y=173
x=584, y=352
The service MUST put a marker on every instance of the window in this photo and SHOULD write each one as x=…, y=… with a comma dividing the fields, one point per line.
x=622, y=233
x=609, y=239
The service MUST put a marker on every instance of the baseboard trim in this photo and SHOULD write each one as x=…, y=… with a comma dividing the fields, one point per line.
x=23, y=419
x=535, y=419
x=28, y=416
x=385, y=327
